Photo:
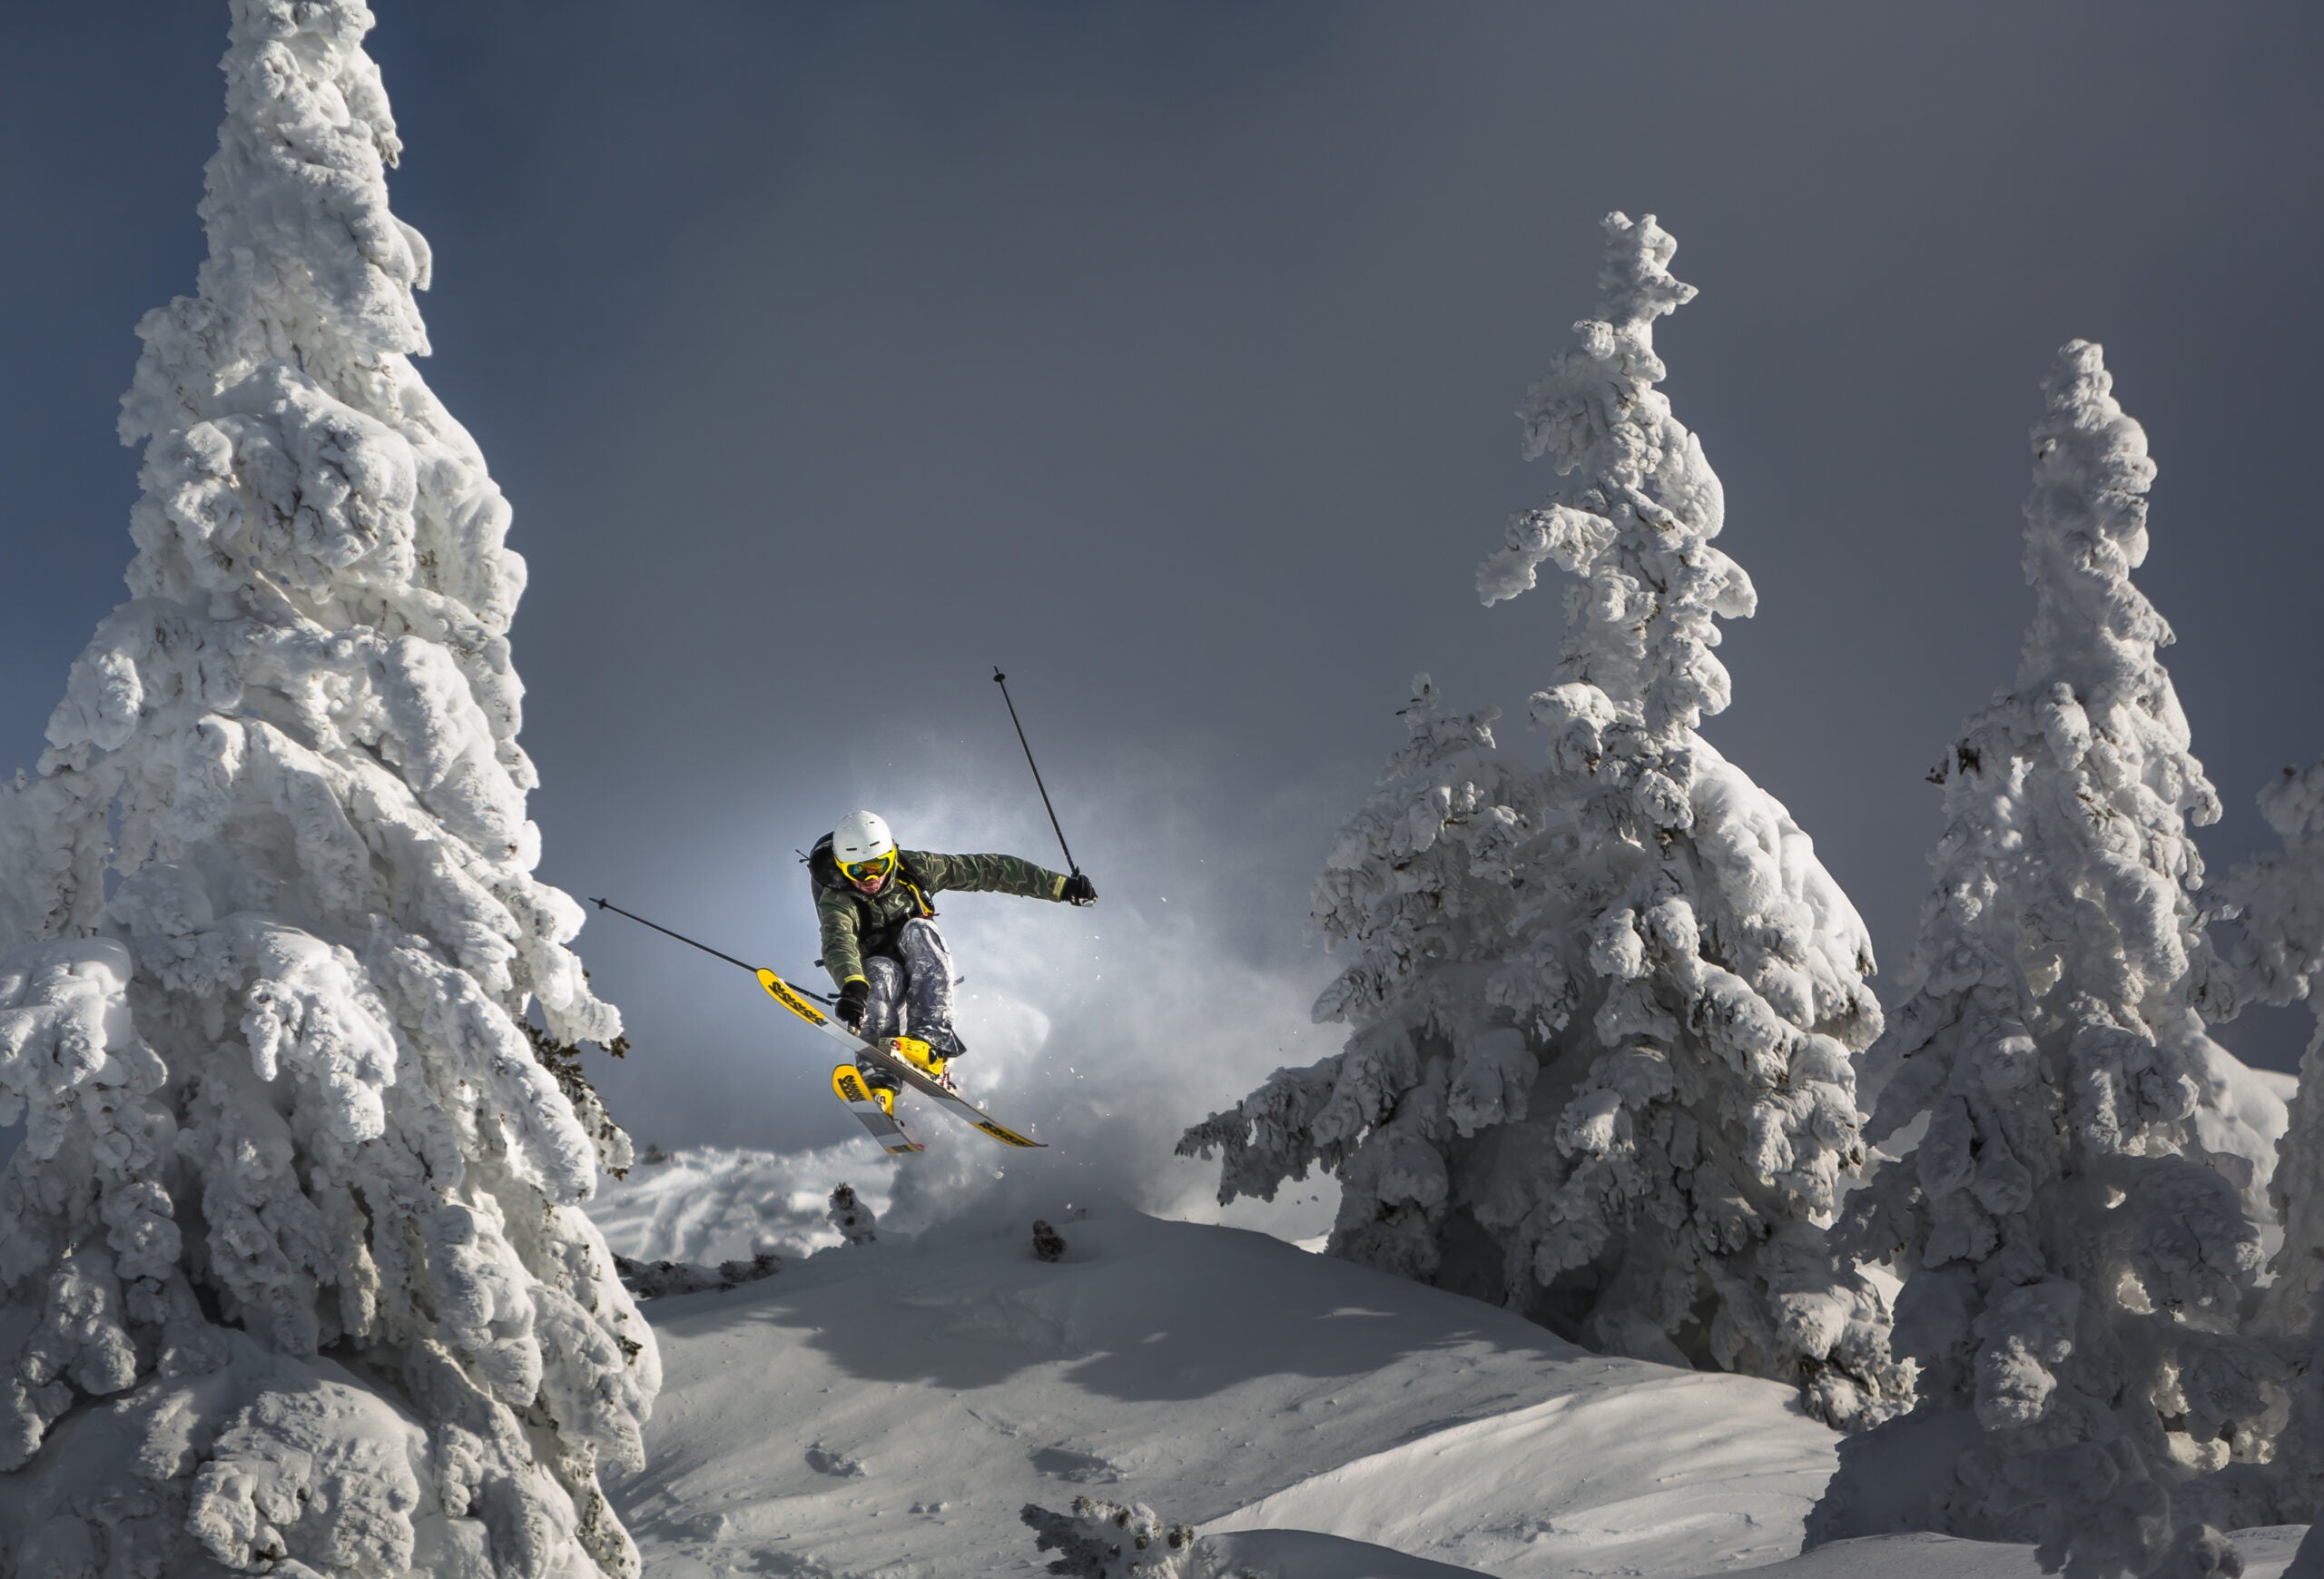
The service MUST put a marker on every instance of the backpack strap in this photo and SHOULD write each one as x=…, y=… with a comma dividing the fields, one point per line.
x=908, y=873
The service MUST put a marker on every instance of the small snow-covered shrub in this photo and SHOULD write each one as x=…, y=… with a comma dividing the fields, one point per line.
x=852, y=1217
x=660, y=1280
x=1103, y=1540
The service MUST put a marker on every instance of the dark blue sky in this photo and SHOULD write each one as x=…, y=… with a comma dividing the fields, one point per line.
x=1166, y=355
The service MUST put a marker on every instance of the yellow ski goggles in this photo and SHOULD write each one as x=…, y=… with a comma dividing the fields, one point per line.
x=865, y=871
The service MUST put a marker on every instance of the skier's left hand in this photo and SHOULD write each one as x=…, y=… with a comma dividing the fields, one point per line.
x=1079, y=890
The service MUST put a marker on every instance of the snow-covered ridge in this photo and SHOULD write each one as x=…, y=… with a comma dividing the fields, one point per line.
x=890, y=1408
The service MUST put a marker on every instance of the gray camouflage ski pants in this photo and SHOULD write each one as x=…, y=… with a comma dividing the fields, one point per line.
x=912, y=996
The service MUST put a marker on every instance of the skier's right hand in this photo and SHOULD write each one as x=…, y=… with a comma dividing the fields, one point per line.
x=852, y=997
x=1079, y=890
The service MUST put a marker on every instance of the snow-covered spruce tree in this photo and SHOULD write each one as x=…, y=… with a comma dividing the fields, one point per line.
x=2277, y=958
x=1601, y=1067
x=1432, y=1057
x=2074, y=1255
x=293, y=1277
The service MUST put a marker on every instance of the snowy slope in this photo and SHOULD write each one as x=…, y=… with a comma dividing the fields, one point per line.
x=887, y=1410
x=890, y=1408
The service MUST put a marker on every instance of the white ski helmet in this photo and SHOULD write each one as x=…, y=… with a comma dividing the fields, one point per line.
x=860, y=836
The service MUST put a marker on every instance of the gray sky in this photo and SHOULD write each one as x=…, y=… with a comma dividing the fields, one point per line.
x=1166, y=356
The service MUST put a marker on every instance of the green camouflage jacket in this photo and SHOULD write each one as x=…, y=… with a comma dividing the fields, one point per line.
x=855, y=924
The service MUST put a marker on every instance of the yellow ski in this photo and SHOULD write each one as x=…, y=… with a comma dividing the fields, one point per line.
x=860, y=1051
x=888, y=1059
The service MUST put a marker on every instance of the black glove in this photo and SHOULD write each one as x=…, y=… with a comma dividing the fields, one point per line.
x=1079, y=890
x=852, y=997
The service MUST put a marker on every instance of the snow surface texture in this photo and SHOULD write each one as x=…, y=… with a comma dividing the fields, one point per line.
x=892, y=1409
x=294, y=1272
x=1604, y=1009
x=2074, y=1250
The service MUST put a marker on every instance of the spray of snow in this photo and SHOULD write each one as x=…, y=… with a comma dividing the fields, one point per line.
x=1103, y=1030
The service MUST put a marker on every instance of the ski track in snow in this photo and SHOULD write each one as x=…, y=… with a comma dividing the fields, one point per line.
x=886, y=1409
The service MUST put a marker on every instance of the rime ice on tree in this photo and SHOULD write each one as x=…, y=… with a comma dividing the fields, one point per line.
x=2074, y=1254
x=1605, y=1009
x=291, y=1257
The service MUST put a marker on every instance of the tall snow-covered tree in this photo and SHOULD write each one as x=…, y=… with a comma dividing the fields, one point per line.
x=1601, y=1067
x=2074, y=1254
x=294, y=1272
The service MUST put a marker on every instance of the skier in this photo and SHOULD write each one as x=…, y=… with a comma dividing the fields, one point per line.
x=880, y=939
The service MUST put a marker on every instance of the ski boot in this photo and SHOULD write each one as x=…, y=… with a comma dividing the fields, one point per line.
x=876, y=1082
x=932, y=1057
x=875, y=1106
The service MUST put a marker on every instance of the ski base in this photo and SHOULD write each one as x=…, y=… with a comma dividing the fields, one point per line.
x=848, y=1085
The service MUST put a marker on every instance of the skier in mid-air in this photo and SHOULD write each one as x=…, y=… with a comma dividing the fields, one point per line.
x=880, y=940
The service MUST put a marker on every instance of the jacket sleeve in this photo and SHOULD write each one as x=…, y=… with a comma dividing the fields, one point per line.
x=836, y=913
x=991, y=875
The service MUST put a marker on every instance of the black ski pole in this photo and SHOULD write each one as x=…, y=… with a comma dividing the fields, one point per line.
x=706, y=948
x=1002, y=681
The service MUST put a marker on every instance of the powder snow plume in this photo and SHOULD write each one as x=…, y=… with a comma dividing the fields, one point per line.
x=1108, y=1029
